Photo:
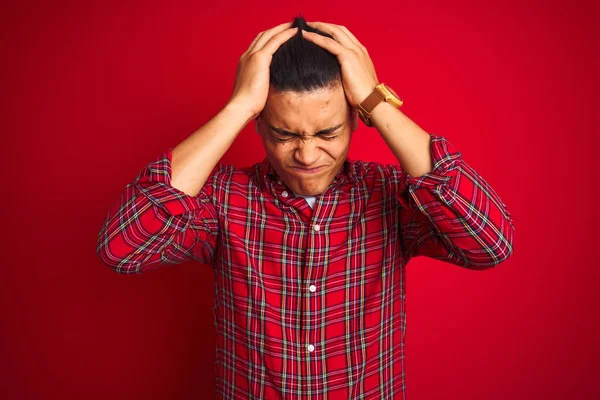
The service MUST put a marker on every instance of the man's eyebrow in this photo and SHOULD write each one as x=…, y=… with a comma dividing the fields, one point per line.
x=321, y=132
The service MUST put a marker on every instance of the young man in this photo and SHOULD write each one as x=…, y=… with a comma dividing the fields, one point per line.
x=308, y=248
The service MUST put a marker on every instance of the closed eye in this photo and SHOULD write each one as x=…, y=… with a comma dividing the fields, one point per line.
x=290, y=138
x=282, y=140
x=328, y=137
x=283, y=136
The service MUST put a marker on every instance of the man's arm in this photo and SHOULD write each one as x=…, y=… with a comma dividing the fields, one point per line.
x=166, y=215
x=409, y=143
x=196, y=156
x=449, y=212
x=154, y=223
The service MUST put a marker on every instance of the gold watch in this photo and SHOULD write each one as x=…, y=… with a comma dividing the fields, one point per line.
x=382, y=92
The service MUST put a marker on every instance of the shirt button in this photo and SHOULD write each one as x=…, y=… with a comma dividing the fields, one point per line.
x=311, y=348
x=312, y=288
x=279, y=181
x=284, y=194
x=317, y=227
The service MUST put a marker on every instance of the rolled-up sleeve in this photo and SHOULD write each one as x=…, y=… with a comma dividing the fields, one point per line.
x=452, y=214
x=154, y=224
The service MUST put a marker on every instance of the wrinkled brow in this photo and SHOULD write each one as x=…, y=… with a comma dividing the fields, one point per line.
x=321, y=132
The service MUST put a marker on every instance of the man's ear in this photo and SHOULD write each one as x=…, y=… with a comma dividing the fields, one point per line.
x=256, y=124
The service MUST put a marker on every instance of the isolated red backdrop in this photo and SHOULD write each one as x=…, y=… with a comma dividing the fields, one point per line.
x=94, y=91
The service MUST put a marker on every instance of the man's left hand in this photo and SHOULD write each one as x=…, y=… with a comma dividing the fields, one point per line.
x=358, y=73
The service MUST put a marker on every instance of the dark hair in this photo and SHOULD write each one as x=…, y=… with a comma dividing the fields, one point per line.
x=302, y=66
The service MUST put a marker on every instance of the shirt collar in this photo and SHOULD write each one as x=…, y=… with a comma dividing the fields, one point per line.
x=344, y=179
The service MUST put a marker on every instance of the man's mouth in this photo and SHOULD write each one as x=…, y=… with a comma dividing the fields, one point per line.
x=308, y=170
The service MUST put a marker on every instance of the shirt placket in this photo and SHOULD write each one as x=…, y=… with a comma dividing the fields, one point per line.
x=305, y=344
x=315, y=292
x=311, y=277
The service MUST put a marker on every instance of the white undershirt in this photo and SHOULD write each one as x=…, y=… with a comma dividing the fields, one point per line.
x=309, y=199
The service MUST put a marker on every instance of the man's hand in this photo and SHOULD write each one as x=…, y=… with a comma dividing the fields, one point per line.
x=408, y=141
x=358, y=73
x=251, y=86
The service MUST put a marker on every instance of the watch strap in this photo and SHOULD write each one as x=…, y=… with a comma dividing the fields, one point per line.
x=377, y=96
x=371, y=101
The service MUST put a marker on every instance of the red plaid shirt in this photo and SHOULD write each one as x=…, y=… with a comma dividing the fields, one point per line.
x=310, y=303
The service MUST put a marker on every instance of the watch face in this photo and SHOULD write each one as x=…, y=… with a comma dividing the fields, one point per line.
x=392, y=91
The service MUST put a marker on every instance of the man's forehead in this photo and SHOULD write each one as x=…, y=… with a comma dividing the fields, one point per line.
x=327, y=96
x=315, y=110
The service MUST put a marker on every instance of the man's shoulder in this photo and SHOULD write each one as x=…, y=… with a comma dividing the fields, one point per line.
x=234, y=172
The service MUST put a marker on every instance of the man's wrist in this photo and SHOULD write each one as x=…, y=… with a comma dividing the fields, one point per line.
x=240, y=108
x=383, y=112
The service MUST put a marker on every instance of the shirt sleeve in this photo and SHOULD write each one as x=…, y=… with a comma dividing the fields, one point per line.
x=155, y=224
x=452, y=214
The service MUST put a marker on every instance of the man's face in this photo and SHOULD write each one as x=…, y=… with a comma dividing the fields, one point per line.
x=307, y=136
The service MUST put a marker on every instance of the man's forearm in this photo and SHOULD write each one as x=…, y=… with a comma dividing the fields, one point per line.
x=409, y=143
x=195, y=157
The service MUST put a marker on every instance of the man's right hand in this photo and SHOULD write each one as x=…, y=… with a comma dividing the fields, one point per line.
x=195, y=158
x=251, y=85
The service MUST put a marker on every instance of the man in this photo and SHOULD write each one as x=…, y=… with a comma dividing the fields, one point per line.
x=308, y=248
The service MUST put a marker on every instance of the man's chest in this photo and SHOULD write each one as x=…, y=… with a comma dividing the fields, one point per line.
x=290, y=242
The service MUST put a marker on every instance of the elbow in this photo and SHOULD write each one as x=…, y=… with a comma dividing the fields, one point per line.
x=494, y=261
x=120, y=261
x=505, y=247
x=119, y=265
x=491, y=259
x=507, y=251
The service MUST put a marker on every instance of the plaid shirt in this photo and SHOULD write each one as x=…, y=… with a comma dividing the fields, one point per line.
x=310, y=303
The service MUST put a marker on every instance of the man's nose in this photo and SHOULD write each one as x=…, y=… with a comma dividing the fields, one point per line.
x=307, y=151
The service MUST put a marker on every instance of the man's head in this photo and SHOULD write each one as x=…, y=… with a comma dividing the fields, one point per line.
x=307, y=121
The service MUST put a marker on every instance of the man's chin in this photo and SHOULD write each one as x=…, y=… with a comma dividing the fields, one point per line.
x=309, y=185
x=310, y=193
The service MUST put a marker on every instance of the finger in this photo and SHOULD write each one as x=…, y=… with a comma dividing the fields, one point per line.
x=268, y=34
x=261, y=34
x=338, y=34
x=277, y=40
x=327, y=43
x=352, y=37
x=253, y=43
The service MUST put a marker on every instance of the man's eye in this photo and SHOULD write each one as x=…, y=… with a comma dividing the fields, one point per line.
x=330, y=137
x=289, y=139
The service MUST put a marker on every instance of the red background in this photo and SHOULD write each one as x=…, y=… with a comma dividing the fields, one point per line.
x=94, y=91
